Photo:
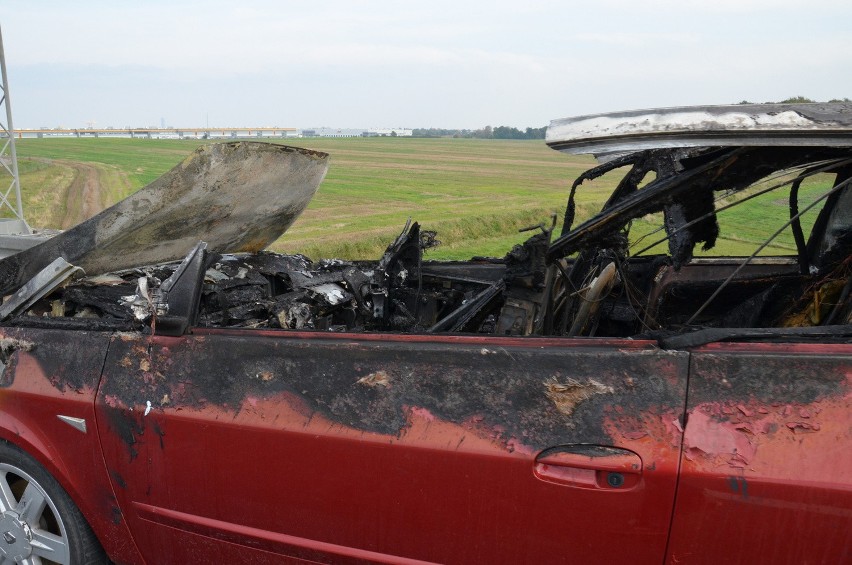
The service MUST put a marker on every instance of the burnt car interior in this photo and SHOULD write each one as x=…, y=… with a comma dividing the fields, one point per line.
x=595, y=279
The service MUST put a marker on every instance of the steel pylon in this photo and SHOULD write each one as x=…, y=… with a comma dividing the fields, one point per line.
x=10, y=184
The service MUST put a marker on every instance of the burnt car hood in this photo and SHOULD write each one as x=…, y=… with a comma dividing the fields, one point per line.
x=237, y=197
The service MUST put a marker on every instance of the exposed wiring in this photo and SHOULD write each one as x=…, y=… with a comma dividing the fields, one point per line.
x=763, y=246
x=830, y=164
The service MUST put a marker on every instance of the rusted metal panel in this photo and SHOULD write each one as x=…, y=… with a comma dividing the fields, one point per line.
x=766, y=474
x=363, y=441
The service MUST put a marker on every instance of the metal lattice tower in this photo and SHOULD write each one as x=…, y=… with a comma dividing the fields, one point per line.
x=10, y=184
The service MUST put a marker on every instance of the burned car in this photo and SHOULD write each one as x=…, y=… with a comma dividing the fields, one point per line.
x=171, y=393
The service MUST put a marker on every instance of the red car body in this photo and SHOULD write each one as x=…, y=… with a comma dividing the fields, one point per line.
x=274, y=445
x=240, y=467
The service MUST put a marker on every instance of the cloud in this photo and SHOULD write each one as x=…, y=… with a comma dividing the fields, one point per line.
x=442, y=63
x=696, y=7
x=632, y=39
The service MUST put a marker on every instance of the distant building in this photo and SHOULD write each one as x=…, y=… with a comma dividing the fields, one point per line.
x=344, y=132
x=390, y=132
x=332, y=132
x=164, y=133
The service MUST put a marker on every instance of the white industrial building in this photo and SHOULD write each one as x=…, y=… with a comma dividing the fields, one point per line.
x=332, y=132
x=349, y=132
x=389, y=132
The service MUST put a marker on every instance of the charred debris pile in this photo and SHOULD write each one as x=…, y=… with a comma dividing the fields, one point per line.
x=591, y=280
x=400, y=292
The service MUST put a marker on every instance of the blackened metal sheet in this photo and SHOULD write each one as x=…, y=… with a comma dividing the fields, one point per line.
x=237, y=197
x=528, y=395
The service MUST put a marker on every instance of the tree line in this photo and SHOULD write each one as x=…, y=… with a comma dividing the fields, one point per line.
x=798, y=100
x=500, y=132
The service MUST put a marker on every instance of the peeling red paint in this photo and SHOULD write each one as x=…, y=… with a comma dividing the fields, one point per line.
x=716, y=439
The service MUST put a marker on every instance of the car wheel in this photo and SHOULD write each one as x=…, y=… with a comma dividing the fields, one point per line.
x=39, y=523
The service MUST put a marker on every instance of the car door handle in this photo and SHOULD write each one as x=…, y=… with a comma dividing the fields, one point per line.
x=589, y=466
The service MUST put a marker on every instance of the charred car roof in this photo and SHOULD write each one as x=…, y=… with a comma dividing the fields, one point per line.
x=696, y=126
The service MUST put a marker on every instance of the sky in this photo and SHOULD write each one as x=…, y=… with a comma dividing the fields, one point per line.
x=444, y=64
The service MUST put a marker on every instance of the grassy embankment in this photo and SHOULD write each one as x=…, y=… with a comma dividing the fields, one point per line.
x=475, y=193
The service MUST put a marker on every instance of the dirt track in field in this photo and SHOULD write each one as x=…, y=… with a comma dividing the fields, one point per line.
x=83, y=196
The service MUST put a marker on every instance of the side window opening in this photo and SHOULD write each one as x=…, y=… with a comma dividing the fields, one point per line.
x=684, y=239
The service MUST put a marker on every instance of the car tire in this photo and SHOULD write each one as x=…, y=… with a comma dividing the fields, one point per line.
x=39, y=523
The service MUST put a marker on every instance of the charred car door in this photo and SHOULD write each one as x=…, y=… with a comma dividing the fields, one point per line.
x=48, y=383
x=764, y=475
x=340, y=448
x=763, y=454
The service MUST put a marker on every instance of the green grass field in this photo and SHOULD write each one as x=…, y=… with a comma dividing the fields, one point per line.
x=475, y=193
